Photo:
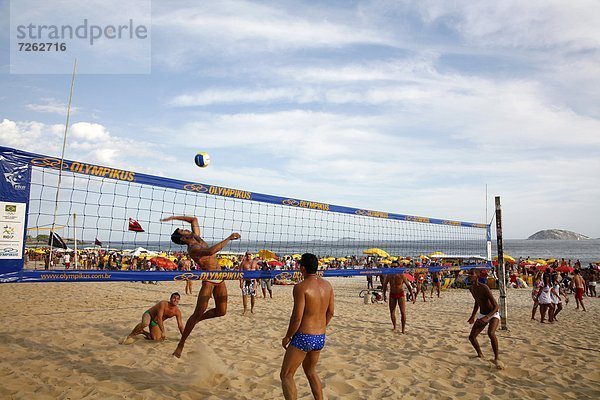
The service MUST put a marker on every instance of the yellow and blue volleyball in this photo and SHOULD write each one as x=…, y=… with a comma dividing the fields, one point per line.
x=202, y=159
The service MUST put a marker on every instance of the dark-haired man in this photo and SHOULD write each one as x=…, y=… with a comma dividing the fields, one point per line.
x=397, y=297
x=248, y=286
x=305, y=337
x=205, y=257
x=487, y=306
x=154, y=319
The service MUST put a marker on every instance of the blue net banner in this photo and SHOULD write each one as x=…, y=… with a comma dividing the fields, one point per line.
x=84, y=168
x=15, y=178
x=215, y=276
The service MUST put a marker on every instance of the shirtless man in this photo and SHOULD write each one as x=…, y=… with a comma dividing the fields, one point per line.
x=204, y=256
x=155, y=317
x=487, y=306
x=579, y=284
x=186, y=265
x=396, y=282
x=305, y=337
x=437, y=284
x=248, y=286
x=421, y=286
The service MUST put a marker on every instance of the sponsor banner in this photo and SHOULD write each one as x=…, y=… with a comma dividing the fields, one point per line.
x=211, y=276
x=12, y=228
x=80, y=167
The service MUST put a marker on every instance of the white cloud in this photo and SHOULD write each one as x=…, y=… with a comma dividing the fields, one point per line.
x=538, y=24
x=87, y=142
x=52, y=106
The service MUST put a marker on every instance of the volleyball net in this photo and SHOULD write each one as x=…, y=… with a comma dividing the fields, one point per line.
x=98, y=209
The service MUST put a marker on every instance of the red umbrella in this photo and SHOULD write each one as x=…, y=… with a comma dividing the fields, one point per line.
x=543, y=268
x=162, y=262
x=275, y=263
x=565, y=268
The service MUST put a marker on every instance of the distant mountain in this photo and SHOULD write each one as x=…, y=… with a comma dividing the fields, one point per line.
x=556, y=234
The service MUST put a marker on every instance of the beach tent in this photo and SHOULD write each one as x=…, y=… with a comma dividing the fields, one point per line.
x=138, y=251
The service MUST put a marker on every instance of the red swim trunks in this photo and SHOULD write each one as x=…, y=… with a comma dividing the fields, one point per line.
x=397, y=295
x=579, y=293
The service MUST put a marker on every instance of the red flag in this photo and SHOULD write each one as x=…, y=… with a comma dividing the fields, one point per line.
x=135, y=226
x=97, y=242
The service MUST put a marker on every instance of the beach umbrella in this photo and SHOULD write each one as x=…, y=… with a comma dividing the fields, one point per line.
x=540, y=261
x=551, y=260
x=507, y=259
x=437, y=253
x=163, y=262
x=342, y=259
x=374, y=251
x=266, y=254
x=275, y=263
x=225, y=262
x=405, y=262
x=565, y=268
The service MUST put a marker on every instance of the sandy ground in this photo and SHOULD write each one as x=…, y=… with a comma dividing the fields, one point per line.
x=61, y=341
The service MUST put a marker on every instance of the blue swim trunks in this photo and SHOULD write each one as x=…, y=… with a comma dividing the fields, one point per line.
x=306, y=342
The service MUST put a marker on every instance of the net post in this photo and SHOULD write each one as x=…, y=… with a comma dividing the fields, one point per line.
x=501, y=272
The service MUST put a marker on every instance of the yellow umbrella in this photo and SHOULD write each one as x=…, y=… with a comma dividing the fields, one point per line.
x=437, y=253
x=296, y=256
x=404, y=262
x=551, y=260
x=225, y=262
x=264, y=254
x=386, y=261
x=541, y=262
x=374, y=251
x=507, y=258
x=342, y=259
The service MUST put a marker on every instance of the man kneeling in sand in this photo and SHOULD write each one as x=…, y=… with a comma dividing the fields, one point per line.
x=154, y=319
x=305, y=337
x=488, y=313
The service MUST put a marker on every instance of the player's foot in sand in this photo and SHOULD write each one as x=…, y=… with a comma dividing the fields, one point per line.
x=498, y=364
x=127, y=340
x=178, y=350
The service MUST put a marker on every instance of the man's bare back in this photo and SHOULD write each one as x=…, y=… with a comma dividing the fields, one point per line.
x=317, y=293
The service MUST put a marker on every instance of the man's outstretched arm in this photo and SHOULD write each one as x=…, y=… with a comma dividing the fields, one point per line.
x=211, y=251
x=192, y=220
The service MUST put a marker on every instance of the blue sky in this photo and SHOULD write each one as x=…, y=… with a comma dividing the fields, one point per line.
x=409, y=107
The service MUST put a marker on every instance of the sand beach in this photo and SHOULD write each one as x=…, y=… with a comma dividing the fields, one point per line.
x=62, y=341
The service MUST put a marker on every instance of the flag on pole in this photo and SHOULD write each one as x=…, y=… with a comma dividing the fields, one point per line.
x=135, y=226
x=56, y=241
x=97, y=242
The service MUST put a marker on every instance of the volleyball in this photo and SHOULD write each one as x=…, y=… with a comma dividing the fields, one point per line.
x=202, y=159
